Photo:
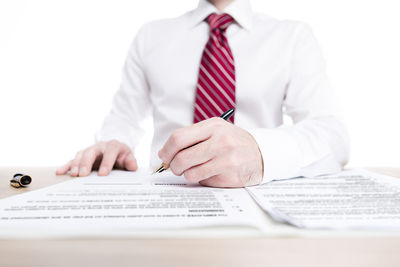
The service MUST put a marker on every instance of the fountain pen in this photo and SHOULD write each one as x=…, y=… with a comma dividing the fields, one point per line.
x=226, y=115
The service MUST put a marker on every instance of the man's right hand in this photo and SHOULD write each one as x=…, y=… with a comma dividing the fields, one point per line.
x=102, y=156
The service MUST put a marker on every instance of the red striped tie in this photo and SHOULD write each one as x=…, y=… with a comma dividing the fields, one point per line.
x=215, y=92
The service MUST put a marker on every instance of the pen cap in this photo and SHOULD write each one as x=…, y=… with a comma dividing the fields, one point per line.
x=22, y=179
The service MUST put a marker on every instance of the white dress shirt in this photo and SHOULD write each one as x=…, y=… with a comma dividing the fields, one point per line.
x=279, y=70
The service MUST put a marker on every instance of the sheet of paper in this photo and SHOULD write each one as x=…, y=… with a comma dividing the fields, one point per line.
x=350, y=200
x=124, y=202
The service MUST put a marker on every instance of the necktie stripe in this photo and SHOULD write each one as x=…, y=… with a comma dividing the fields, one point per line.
x=201, y=111
x=211, y=108
x=212, y=19
x=223, y=67
x=223, y=49
x=228, y=54
x=217, y=79
x=217, y=98
x=222, y=59
x=215, y=105
x=226, y=69
x=204, y=106
x=215, y=21
x=222, y=21
x=197, y=118
x=227, y=49
x=216, y=84
x=229, y=89
x=224, y=26
x=219, y=76
x=216, y=67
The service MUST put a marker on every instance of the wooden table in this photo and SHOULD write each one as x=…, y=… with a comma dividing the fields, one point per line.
x=380, y=250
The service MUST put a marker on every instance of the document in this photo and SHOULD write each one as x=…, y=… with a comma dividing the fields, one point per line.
x=126, y=201
x=350, y=200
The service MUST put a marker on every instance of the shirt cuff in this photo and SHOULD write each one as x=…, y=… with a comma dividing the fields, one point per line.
x=280, y=152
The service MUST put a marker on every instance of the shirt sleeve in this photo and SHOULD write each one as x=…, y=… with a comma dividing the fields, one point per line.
x=131, y=103
x=317, y=142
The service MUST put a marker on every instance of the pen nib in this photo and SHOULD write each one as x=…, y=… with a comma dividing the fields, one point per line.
x=162, y=168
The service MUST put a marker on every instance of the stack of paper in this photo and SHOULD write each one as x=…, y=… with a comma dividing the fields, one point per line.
x=350, y=200
x=124, y=202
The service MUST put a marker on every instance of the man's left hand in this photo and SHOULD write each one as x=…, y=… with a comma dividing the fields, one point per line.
x=214, y=153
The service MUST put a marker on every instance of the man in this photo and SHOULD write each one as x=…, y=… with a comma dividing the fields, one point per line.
x=220, y=56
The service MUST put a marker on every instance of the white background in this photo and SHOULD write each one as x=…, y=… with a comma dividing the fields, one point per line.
x=60, y=64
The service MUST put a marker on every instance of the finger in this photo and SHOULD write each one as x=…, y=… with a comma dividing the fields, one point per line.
x=74, y=171
x=120, y=161
x=204, y=171
x=226, y=180
x=64, y=169
x=109, y=158
x=185, y=137
x=130, y=163
x=190, y=157
x=88, y=158
x=220, y=181
x=124, y=151
x=127, y=161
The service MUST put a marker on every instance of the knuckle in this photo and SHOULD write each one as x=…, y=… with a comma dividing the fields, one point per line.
x=175, y=170
x=230, y=141
x=78, y=154
x=176, y=138
x=108, y=159
x=216, y=120
x=84, y=162
x=126, y=149
x=75, y=163
x=177, y=164
x=226, y=143
x=89, y=152
x=219, y=122
x=76, y=160
x=220, y=127
x=72, y=163
x=213, y=149
x=88, y=156
x=216, y=123
x=100, y=145
x=180, y=160
x=113, y=144
x=232, y=162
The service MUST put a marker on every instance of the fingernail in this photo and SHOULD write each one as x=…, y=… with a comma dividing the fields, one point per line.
x=74, y=170
x=82, y=171
x=103, y=170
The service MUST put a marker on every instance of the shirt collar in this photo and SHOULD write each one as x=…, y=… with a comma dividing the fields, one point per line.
x=240, y=10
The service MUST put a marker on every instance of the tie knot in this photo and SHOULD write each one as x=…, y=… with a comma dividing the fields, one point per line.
x=219, y=21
